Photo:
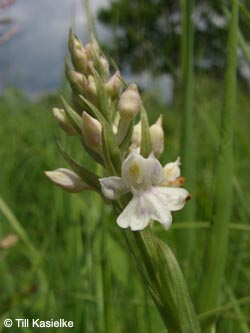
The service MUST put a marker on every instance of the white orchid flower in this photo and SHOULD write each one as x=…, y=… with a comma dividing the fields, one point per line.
x=143, y=177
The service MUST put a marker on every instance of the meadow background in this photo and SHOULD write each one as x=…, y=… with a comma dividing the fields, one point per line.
x=69, y=259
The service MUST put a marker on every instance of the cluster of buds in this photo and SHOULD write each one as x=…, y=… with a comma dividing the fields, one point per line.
x=104, y=118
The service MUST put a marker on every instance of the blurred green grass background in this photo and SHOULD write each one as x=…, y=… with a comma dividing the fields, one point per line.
x=56, y=268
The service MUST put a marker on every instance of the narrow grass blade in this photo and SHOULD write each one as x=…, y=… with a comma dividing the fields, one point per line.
x=224, y=308
x=244, y=328
x=16, y=225
x=217, y=244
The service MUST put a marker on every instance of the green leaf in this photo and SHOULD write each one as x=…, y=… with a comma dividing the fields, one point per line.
x=102, y=96
x=245, y=13
x=127, y=139
x=146, y=145
x=164, y=299
x=96, y=112
x=93, y=154
x=87, y=176
x=170, y=268
x=73, y=116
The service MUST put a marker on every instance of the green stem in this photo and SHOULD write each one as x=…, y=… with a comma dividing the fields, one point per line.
x=107, y=307
x=209, y=293
x=185, y=239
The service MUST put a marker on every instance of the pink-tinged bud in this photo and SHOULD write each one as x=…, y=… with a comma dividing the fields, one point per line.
x=63, y=121
x=78, y=54
x=105, y=67
x=92, y=133
x=77, y=80
x=88, y=51
x=91, y=86
x=90, y=90
x=92, y=49
x=67, y=179
x=157, y=137
x=113, y=86
x=129, y=104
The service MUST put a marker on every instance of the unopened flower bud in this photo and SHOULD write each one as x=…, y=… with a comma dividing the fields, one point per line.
x=77, y=80
x=113, y=86
x=78, y=54
x=67, y=179
x=63, y=121
x=172, y=171
x=129, y=104
x=90, y=90
x=157, y=137
x=92, y=133
x=91, y=85
x=105, y=67
x=92, y=49
x=89, y=51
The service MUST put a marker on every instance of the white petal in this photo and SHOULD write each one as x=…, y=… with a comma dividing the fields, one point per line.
x=172, y=197
x=154, y=171
x=160, y=201
x=134, y=215
x=113, y=187
x=157, y=208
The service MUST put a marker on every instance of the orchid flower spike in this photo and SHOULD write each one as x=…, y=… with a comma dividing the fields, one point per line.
x=144, y=177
